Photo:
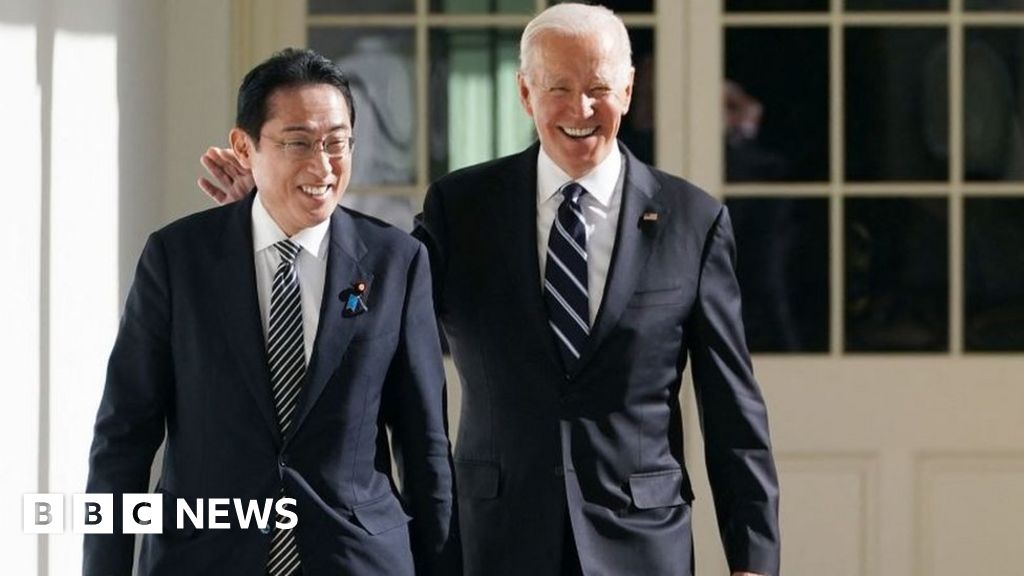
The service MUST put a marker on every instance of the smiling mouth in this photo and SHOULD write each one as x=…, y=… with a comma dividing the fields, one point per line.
x=316, y=191
x=578, y=132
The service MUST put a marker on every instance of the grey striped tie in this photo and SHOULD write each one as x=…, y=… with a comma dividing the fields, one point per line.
x=565, y=277
x=287, y=356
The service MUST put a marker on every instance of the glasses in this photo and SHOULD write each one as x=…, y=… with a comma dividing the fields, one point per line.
x=304, y=149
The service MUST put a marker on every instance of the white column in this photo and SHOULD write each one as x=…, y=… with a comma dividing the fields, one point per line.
x=20, y=151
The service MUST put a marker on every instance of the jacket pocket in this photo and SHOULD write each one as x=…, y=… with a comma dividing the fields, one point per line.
x=477, y=479
x=381, y=515
x=659, y=297
x=660, y=489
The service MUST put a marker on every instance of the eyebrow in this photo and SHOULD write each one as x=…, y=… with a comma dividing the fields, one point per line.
x=308, y=130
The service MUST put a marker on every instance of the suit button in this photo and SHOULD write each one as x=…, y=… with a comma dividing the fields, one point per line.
x=283, y=461
x=265, y=530
x=559, y=471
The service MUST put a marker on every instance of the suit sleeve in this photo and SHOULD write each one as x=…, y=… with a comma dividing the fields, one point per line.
x=430, y=230
x=130, y=420
x=733, y=414
x=417, y=411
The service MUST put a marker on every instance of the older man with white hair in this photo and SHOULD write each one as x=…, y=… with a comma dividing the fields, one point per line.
x=574, y=283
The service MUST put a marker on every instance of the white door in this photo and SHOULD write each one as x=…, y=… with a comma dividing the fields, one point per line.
x=873, y=167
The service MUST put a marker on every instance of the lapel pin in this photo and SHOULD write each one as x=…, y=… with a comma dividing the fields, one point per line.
x=649, y=223
x=352, y=299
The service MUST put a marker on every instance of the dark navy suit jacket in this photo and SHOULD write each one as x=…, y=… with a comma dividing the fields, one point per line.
x=600, y=447
x=190, y=358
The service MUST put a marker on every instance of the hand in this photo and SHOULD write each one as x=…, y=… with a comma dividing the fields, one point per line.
x=233, y=180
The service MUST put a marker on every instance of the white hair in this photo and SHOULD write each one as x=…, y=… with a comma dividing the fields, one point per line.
x=571, y=19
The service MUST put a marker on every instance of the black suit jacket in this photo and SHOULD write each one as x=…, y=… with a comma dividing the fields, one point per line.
x=190, y=357
x=602, y=446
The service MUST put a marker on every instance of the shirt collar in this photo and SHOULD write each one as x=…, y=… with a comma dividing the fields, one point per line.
x=266, y=232
x=599, y=182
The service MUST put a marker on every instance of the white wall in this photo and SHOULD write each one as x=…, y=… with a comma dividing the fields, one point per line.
x=20, y=101
x=93, y=144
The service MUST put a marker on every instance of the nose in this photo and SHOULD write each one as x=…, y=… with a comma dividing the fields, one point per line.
x=585, y=105
x=320, y=163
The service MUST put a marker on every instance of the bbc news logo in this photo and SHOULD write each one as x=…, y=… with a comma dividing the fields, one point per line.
x=144, y=513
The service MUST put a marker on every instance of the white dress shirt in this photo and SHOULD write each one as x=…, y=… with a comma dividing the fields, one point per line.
x=600, y=211
x=310, y=265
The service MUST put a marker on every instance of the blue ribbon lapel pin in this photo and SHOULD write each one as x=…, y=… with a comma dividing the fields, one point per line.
x=352, y=300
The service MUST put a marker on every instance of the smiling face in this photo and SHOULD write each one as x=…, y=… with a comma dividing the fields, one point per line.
x=298, y=193
x=576, y=91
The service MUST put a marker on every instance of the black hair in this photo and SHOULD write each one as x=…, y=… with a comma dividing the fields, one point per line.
x=289, y=68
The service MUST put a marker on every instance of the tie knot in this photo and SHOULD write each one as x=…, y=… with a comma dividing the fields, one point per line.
x=288, y=250
x=572, y=192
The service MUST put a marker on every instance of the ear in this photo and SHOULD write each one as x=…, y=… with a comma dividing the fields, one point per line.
x=524, y=93
x=243, y=147
x=628, y=91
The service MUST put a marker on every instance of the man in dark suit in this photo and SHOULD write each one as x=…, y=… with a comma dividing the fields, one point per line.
x=574, y=283
x=276, y=340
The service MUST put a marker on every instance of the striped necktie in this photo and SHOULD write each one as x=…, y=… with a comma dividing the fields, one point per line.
x=565, y=277
x=287, y=357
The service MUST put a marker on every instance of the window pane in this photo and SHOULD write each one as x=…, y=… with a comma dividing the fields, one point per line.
x=994, y=274
x=362, y=6
x=782, y=263
x=474, y=103
x=897, y=104
x=483, y=6
x=896, y=261
x=777, y=114
x=775, y=5
x=379, y=64
x=896, y=5
x=475, y=111
x=994, y=104
x=994, y=4
x=637, y=129
x=622, y=5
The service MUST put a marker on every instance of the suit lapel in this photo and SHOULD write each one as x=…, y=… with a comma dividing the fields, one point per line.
x=515, y=209
x=334, y=332
x=634, y=240
x=235, y=291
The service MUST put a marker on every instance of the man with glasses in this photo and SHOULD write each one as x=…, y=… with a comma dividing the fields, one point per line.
x=277, y=340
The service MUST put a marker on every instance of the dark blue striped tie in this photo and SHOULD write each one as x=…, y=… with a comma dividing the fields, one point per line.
x=287, y=355
x=565, y=276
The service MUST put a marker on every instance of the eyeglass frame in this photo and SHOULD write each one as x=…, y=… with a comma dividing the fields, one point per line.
x=293, y=151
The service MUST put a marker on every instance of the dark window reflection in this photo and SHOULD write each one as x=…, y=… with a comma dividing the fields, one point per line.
x=896, y=5
x=483, y=6
x=362, y=6
x=777, y=113
x=897, y=104
x=994, y=274
x=621, y=5
x=637, y=129
x=994, y=4
x=782, y=263
x=775, y=5
x=897, y=281
x=994, y=104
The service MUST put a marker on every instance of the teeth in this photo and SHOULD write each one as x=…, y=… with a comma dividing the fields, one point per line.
x=315, y=190
x=579, y=132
